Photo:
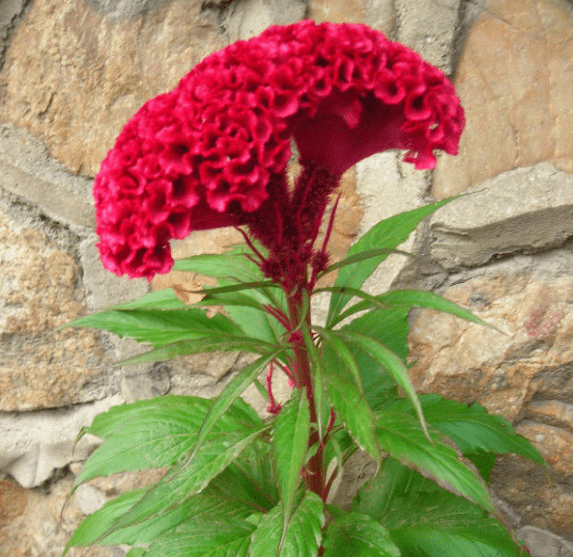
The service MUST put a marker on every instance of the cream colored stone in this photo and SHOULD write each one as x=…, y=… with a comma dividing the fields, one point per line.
x=41, y=367
x=73, y=78
x=337, y=11
x=514, y=79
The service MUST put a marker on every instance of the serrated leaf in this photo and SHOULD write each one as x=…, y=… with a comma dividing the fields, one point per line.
x=214, y=343
x=188, y=478
x=216, y=528
x=154, y=433
x=291, y=431
x=400, y=434
x=439, y=523
x=387, y=234
x=160, y=327
x=473, y=429
x=94, y=526
x=358, y=535
x=390, y=362
x=394, y=480
x=349, y=404
x=302, y=535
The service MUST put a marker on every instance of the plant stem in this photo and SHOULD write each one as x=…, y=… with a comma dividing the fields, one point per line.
x=314, y=476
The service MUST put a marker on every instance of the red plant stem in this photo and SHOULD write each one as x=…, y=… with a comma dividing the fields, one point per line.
x=314, y=474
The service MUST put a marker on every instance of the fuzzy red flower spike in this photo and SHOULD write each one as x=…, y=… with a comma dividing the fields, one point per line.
x=213, y=152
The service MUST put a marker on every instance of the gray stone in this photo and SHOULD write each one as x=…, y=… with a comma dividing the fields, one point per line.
x=388, y=186
x=118, y=10
x=542, y=543
x=103, y=288
x=521, y=211
x=34, y=444
x=9, y=12
x=430, y=35
x=26, y=170
x=249, y=18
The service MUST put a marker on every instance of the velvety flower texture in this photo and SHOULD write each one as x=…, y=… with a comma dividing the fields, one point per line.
x=210, y=152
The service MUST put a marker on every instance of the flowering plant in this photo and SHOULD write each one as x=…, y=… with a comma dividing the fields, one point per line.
x=213, y=153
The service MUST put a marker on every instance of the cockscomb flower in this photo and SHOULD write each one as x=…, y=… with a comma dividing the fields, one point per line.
x=214, y=151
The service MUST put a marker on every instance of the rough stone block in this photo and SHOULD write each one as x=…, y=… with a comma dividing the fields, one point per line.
x=41, y=290
x=521, y=211
x=429, y=28
x=542, y=543
x=27, y=171
x=35, y=444
x=514, y=78
x=73, y=78
x=249, y=18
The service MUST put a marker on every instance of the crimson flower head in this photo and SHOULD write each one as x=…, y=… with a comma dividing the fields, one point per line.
x=213, y=152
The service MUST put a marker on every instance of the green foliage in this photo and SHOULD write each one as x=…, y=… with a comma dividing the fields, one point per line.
x=237, y=486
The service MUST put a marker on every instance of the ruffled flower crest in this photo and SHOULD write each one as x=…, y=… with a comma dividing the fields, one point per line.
x=214, y=151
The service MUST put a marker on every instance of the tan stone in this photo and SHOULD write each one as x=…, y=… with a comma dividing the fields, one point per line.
x=503, y=369
x=73, y=78
x=515, y=80
x=520, y=371
x=337, y=11
x=41, y=291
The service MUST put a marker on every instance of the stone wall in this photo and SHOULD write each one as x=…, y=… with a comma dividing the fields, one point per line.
x=71, y=74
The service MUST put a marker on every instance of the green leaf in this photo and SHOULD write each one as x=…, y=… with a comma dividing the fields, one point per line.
x=160, y=327
x=154, y=433
x=473, y=430
x=401, y=435
x=391, y=362
x=216, y=528
x=93, y=528
x=232, y=264
x=189, y=477
x=348, y=401
x=387, y=234
x=213, y=343
x=363, y=255
x=291, y=430
x=409, y=299
x=303, y=532
x=358, y=535
x=230, y=393
x=439, y=523
x=160, y=299
x=393, y=480
x=249, y=480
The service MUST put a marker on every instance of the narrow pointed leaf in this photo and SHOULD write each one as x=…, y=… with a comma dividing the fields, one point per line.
x=358, y=535
x=349, y=403
x=231, y=265
x=160, y=299
x=401, y=435
x=159, y=327
x=409, y=299
x=290, y=441
x=387, y=234
x=303, y=532
x=230, y=393
x=212, y=343
x=363, y=255
x=393, y=365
